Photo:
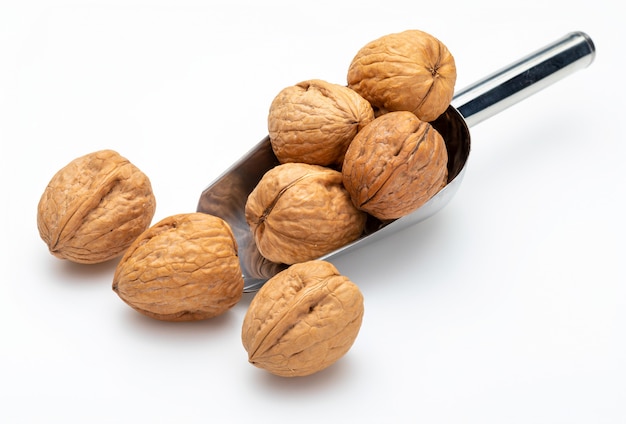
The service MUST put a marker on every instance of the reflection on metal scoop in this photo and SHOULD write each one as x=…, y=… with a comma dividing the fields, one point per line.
x=226, y=197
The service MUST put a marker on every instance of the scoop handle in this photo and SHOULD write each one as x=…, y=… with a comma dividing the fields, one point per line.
x=527, y=76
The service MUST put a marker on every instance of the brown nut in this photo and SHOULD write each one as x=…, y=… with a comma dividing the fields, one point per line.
x=315, y=121
x=302, y=320
x=395, y=165
x=298, y=212
x=184, y=268
x=94, y=207
x=410, y=70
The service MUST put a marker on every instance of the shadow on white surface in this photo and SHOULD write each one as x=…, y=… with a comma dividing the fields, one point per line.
x=147, y=327
x=71, y=272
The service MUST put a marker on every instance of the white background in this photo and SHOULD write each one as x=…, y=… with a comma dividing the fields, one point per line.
x=505, y=307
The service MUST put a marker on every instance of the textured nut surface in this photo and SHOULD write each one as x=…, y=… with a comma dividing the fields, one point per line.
x=94, y=207
x=315, y=121
x=183, y=268
x=302, y=320
x=409, y=70
x=395, y=165
x=299, y=212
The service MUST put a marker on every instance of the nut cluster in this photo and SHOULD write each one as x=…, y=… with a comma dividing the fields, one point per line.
x=375, y=131
x=346, y=153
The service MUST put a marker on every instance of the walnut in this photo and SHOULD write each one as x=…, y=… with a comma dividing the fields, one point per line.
x=410, y=70
x=298, y=212
x=395, y=165
x=184, y=268
x=94, y=207
x=302, y=320
x=315, y=121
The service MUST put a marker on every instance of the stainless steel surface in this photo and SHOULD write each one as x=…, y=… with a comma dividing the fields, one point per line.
x=227, y=195
x=527, y=76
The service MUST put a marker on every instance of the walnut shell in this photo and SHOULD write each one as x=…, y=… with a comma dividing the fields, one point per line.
x=299, y=212
x=395, y=165
x=302, y=320
x=410, y=70
x=315, y=121
x=94, y=207
x=183, y=268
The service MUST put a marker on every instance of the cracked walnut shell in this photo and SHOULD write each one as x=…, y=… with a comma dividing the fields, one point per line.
x=184, y=268
x=302, y=320
x=94, y=207
x=315, y=121
x=409, y=70
x=395, y=165
x=299, y=212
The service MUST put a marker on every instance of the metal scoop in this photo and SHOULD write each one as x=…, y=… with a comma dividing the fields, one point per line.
x=226, y=197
